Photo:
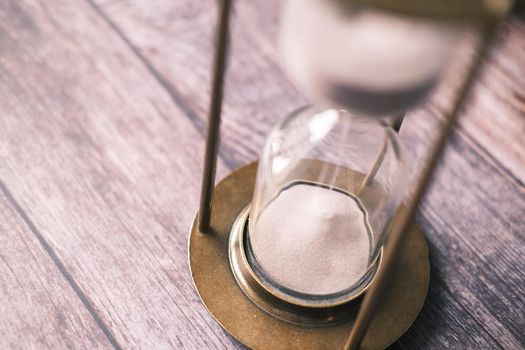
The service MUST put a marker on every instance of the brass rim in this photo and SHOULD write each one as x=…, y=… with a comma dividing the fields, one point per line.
x=274, y=301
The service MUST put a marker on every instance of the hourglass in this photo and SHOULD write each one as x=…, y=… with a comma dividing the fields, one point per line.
x=309, y=245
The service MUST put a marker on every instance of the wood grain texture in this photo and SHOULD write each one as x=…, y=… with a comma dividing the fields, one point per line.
x=473, y=218
x=474, y=213
x=106, y=167
x=178, y=40
x=38, y=309
x=494, y=123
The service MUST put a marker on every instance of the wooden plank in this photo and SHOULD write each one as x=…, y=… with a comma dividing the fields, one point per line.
x=494, y=123
x=179, y=35
x=468, y=225
x=473, y=219
x=39, y=308
x=444, y=323
x=106, y=167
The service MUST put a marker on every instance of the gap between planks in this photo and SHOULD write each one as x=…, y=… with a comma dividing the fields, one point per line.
x=60, y=266
x=199, y=123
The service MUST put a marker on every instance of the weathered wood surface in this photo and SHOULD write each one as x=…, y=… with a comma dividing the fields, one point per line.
x=102, y=115
x=107, y=168
x=38, y=308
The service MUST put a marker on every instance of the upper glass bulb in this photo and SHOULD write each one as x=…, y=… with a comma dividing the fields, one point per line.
x=372, y=62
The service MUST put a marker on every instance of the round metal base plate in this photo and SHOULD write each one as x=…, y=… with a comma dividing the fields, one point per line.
x=234, y=311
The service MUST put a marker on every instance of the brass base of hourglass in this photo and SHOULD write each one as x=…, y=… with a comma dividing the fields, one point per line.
x=236, y=310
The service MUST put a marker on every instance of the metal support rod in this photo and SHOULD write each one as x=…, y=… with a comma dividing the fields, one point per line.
x=396, y=125
x=405, y=217
x=214, y=117
x=398, y=122
x=375, y=167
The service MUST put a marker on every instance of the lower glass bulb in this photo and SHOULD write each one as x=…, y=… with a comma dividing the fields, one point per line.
x=327, y=186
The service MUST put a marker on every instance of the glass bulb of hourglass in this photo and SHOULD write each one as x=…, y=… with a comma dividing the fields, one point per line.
x=371, y=62
x=327, y=186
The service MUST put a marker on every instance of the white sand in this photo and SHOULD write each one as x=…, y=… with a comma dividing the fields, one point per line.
x=312, y=240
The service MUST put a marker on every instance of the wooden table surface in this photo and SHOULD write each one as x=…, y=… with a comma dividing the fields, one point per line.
x=102, y=116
